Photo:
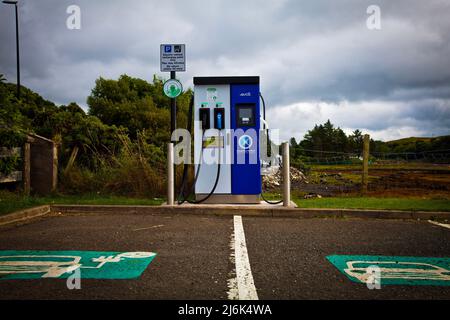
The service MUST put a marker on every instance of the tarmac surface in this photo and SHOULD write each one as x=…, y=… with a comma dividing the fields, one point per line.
x=194, y=257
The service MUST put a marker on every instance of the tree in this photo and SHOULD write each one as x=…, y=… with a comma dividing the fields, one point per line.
x=13, y=125
x=138, y=106
x=293, y=143
x=356, y=141
x=324, y=138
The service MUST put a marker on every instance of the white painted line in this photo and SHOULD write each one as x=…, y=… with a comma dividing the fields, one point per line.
x=233, y=293
x=440, y=224
x=152, y=227
x=245, y=283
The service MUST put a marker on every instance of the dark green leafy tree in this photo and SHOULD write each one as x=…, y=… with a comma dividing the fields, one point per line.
x=138, y=106
x=13, y=125
x=356, y=141
x=12, y=128
x=324, y=138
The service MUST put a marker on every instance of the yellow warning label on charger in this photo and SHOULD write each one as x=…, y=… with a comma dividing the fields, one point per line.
x=213, y=142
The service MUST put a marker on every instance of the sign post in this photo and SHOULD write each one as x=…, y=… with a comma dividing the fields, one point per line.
x=173, y=108
x=172, y=59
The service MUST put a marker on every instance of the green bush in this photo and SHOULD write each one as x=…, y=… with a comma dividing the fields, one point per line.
x=10, y=164
x=135, y=170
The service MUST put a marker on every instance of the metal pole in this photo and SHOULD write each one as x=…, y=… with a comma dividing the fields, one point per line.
x=173, y=108
x=173, y=122
x=286, y=175
x=17, y=52
x=170, y=175
x=17, y=44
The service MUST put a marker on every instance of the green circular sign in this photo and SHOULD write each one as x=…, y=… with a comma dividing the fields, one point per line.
x=172, y=88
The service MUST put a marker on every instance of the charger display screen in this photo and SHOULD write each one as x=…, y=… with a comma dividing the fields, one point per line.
x=245, y=115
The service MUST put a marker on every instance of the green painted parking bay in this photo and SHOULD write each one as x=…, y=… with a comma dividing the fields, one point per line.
x=394, y=270
x=61, y=264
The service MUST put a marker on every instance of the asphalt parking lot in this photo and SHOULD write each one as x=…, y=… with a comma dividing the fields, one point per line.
x=196, y=256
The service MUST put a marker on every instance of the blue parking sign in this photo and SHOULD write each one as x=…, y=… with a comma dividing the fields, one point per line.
x=167, y=49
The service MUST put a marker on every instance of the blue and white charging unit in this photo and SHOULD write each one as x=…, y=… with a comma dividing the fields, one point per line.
x=226, y=139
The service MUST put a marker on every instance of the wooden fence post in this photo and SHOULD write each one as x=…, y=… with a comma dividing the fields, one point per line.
x=55, y=167
x=365, y=172
x=26, y=169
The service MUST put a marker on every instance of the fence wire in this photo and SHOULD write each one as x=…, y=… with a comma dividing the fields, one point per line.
x=391, y=174
x=336, y=157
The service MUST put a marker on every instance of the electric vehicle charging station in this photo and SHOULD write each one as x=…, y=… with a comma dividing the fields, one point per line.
x=226, y=139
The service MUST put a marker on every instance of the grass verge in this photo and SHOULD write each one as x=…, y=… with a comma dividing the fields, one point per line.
x=10, y=202
x=415, y=204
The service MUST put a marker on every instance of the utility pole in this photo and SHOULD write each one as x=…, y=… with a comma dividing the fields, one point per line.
x=17, y=45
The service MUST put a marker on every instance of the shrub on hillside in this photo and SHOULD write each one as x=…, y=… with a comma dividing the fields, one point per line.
x=135, y=170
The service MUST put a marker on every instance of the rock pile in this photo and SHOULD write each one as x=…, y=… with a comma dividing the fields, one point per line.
x=274, y=178
x=312, y=195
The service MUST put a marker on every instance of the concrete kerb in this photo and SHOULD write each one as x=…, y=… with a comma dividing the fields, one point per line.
x=218, y=210
x=157, y=210
x=24, y=215
x=275, y=212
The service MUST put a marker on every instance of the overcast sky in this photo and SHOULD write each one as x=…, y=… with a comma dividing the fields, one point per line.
x=317, y=59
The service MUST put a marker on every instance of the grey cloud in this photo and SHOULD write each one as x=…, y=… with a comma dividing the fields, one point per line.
x=303, y=51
